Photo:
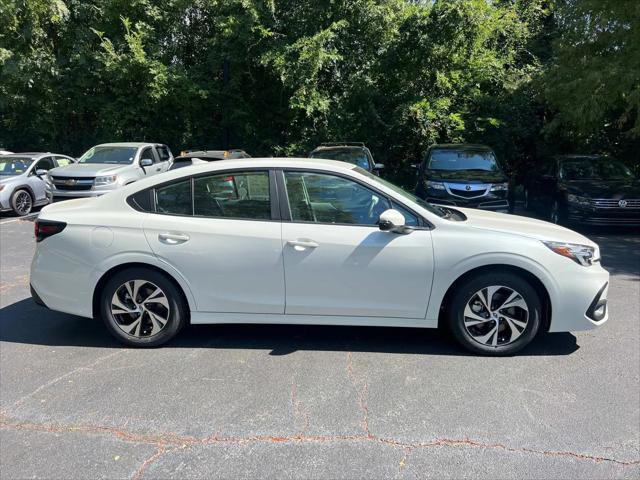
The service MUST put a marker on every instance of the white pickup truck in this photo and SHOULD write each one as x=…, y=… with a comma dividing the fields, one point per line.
x=106, y=167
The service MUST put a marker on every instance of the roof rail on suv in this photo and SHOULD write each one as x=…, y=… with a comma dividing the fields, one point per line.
x=339, y=144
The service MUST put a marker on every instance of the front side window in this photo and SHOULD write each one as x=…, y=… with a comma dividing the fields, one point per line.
x=322, y=198
x=242, y=195
x=45, y=163
x=147, y=154
x=175, y=198
x=109, y=155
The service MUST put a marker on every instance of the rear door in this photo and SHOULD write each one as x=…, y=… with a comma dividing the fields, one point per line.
x=222, y=233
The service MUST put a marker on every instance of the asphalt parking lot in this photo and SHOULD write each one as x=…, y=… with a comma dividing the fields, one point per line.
x=298, y=402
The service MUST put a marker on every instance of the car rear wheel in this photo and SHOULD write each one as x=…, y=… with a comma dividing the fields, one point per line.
x=495, y=313
x=21, y=202
x=142, y=307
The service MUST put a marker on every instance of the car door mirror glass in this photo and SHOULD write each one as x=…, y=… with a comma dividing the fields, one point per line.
x=393, y=221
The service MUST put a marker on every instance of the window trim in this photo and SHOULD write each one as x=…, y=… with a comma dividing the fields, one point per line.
x=273, y=195
x=424, y=224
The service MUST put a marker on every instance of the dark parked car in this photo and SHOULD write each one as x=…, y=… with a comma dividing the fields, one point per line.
x=585, y=189
x=193, y=157
x=463, y=175
x=350, y=152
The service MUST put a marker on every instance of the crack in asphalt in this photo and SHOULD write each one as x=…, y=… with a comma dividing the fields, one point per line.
x=165, y=440
x=24, y=398
x=169, y=442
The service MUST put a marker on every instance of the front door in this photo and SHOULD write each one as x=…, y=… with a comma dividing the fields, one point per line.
x=38, y=184
x=337, y=260
x=219, y=233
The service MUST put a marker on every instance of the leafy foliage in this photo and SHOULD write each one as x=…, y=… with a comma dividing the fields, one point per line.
x=279, y=76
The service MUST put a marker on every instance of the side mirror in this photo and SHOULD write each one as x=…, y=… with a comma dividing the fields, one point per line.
x=146, y=162
x=378, y=166
x=41, y=172
x=393, y=221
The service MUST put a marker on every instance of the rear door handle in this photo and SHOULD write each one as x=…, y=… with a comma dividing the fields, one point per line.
x=302, y=244
x=173, y=238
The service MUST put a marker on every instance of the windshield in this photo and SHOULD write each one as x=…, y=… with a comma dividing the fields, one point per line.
x=404, y=194
x=594, y=169
x=355, y=157
x=113, y=155
x=14, y=165
x=482, y=160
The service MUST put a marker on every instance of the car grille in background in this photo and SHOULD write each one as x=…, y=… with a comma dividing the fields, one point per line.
x=468, y=193
x=72, y=183
x=615, y=203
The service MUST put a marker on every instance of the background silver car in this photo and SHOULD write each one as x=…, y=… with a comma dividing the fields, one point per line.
x=22, y=179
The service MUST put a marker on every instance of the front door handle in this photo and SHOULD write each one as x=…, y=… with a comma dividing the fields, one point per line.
x=302, y=244
x=158, y=169
x=173, y=238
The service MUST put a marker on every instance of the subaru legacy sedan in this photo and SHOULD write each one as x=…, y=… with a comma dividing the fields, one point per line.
x=307, y=241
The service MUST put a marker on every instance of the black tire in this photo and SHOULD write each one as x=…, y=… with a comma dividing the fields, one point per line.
x=177, y=312
x=21, y=202
x=466, y=292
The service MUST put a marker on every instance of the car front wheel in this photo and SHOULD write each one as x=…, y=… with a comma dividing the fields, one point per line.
x=21, y=202
x=142, y=307
x=495, y=313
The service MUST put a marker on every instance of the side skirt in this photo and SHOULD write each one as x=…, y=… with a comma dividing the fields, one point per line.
x=200, y=318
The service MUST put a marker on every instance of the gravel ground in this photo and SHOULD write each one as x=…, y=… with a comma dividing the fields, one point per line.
x=296, y=402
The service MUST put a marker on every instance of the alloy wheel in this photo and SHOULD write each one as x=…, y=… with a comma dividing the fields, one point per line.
x=23, y=203
x=495, y=316
x=140, y=308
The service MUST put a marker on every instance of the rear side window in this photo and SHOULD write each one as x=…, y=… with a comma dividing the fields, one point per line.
x=63, y=162
x=242, y=195
x=163, y=153
x=175, y=198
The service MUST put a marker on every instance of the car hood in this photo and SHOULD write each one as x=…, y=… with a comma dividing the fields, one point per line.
x=522, y=226
x=615, y=189
x=87, y=170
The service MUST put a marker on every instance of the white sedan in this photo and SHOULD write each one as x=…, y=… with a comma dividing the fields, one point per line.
x=306, y=241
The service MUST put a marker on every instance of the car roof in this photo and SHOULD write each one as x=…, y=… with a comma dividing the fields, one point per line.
x=29, y=154
x=340, y=146
x=460, y=146
x=128, y=144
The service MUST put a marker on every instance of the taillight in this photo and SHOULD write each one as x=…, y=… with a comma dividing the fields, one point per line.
x=47, y=228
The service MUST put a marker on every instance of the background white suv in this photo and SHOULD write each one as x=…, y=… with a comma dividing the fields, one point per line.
x=106, y=167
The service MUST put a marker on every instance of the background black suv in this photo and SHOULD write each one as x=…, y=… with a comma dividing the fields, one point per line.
x=350, y=152
x=464, y=175
x=585, y=189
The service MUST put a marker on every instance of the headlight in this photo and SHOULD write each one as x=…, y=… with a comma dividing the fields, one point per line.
x=581, y=254
x=578, y=200
x=435, y=185
x=106, y=180
x=497, y=187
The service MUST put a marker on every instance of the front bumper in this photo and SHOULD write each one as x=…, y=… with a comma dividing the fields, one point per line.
x=604, y=217
x=53, y=194
x=580, y=301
